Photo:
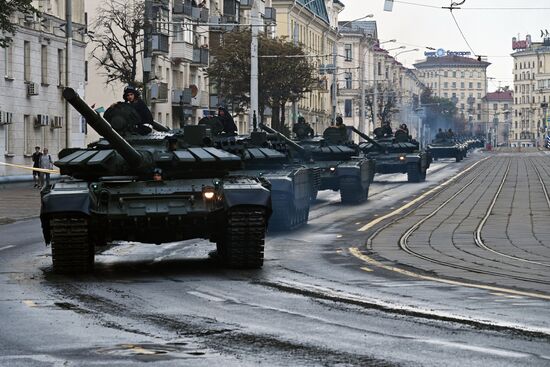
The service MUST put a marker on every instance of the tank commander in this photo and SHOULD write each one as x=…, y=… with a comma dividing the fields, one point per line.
x=227, y=121
x=302, y=129
x=131, y=96
x=386, y=129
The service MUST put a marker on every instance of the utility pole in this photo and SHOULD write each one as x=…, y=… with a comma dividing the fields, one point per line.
x=334, y=79
x=68, y=57
x=256, y=22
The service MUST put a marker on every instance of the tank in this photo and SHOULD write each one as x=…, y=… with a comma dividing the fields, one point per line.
x=155, y=188
x=337, y=163
x=396, y=154
x=292, y=185
x=444, y=146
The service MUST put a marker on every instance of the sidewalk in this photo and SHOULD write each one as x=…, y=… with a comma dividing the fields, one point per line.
x=18, y=201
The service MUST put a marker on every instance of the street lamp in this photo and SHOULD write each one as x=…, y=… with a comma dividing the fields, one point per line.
x=396, y=48
x=402, y=52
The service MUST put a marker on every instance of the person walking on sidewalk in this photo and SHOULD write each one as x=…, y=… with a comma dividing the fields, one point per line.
x=46, y=163
x=36, y=164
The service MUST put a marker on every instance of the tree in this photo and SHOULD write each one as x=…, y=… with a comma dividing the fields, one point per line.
x=441, y=112
x=282, y=79
x=385, y=104
x=118, y=40
x=7, y=9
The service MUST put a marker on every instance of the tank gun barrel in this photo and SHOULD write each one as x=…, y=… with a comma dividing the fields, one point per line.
x=103, y=128
x=294, y=145
x=367, y=138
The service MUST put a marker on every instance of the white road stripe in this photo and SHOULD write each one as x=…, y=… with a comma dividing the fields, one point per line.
x=6, y=247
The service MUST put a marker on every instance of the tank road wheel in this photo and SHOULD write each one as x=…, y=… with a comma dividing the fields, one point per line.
x=72, y=250
x=351, y=191
x=414, y=172
x=243, y=243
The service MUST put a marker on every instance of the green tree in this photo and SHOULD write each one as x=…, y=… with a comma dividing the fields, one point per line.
x=7, y=9
x=118, y=40
x=284, y=74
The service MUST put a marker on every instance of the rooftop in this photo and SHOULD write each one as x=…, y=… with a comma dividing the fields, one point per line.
x=499, y=95
x=452, y=60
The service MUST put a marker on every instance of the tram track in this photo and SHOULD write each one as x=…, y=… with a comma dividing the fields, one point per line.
x=482, y=267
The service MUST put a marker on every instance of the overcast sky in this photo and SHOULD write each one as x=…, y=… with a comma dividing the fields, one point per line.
x=489, y=32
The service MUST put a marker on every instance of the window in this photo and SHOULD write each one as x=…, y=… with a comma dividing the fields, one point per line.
x=44, y=64
x=445, y=94
x=506, y=107
x=8, y=139
x=348, y=80
x=453, y=85
x=160, y=118
x=28, y=134
x=462, y=85
x=462, y=74
x=85, y=71
x=347, y=51
x=470, y=85
x=347, y=108
x=445, y=73
x=454, y=74
x=8, y=62
x=445, y=85
x=462, y=95
x=60, y=67
x=379, y=68
x=27, y=61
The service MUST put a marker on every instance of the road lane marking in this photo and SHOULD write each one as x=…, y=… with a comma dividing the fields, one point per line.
x=6, y=247
x=411, y=203
x=358, y=254
x=30, y=303
x=473, y=348
x=366, y=269
x=206, y=296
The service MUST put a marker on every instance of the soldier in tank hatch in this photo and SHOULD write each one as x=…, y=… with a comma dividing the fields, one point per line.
x=227, y=121
x=131, y=96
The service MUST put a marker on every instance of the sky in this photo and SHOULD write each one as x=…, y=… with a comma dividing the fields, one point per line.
x=489, y=32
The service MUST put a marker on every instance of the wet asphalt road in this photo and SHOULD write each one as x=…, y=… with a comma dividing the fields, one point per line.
x=322, y=297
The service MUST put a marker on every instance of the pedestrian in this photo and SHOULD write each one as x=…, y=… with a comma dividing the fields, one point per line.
x=36, y=164
x=227, y=121
x=131, y=95
x=45, y=163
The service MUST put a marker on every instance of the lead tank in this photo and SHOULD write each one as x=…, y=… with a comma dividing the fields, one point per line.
x=155, y=188
x=292, y=185
x=396, y=154
x=446, y=146
x=337, y=164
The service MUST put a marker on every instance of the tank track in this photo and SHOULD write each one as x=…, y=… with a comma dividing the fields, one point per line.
x=72, y=251
x=351, y=191
x=243, y=243
x=414, y=173
x=286, y=217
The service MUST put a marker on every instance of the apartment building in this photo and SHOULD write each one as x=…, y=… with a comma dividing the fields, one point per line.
x=461, y=79
x=497, y=112
x=312, y=23
x=531, y=92
x=37, y=66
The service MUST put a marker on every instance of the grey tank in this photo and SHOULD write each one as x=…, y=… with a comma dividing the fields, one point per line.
x=108, y=193
x=397, y=154
x=292, y=185
x=336, y=162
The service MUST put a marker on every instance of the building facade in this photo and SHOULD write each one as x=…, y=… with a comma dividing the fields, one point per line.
x=312, y=24
x=37, y=66
x=531, y=92
x=497, y=112
x=461, y=79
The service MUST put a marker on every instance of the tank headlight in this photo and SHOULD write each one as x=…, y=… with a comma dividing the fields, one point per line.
x=401, y=157
x=208, y=193
x=332, y=169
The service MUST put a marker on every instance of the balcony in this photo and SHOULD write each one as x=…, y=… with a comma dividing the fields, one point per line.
x=194, y=12
x=270, y=15
x=159, y=43
x=200, y=56
x=200, y=100
x=181, y=97
x=223, y=23
x=158, y=93
x=182, y=51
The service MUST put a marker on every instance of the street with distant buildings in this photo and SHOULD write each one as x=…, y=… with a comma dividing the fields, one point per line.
x=159, y=206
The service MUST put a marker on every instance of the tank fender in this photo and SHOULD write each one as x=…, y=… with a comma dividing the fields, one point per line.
x=258, y=196
x=348, y=170
x=283, y=184
x=413, y=158
x=77, y=202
